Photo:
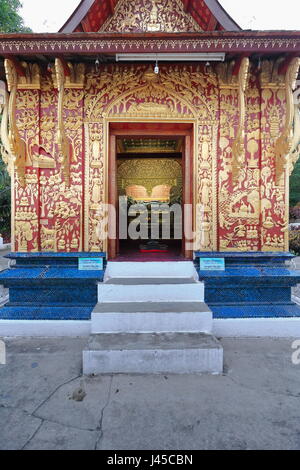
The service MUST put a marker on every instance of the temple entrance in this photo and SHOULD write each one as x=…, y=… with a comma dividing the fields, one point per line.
x=150, y=180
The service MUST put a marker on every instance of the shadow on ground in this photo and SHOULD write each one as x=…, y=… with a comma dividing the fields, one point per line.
x=45, y=403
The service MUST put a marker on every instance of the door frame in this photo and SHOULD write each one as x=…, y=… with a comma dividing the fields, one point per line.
x=117, y=128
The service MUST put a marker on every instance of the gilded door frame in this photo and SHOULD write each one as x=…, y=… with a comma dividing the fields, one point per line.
x=111, y=246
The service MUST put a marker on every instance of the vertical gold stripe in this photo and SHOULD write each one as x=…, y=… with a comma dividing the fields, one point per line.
x=105, y=131
x=86, y=186
x=214, y=183
x=287, y=210
x=195, y=182
x=13, y=209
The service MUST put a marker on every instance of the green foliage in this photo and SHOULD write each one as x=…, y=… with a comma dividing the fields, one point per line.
x=294, y=238
x=175, y=195
x=4, y=201
x=10, y=20
x=295, y=185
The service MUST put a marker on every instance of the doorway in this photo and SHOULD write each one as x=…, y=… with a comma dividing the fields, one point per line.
x=150, y=181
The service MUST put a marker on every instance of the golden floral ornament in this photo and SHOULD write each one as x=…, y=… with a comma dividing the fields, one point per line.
x=283, y=145
x=150, y=15
x=16, y=144
x=5, y=146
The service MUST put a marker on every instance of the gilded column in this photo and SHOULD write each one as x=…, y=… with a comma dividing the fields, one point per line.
x=277, y=113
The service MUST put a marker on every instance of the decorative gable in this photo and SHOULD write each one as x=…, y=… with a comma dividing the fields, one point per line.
x=133, y=16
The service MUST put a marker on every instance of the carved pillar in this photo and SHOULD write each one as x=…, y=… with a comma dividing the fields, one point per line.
x=277, y=80
x=23, y=137
x=238, y=195
x=5, y=146
x=95, y=186
x=61, y=179
x=295, y=150
x=238, y=147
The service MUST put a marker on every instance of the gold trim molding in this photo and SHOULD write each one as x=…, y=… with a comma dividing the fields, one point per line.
x=238, y=146
x=283, y=144
x=16, y=144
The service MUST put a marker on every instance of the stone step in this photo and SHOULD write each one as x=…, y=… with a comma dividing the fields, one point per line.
x=178, y=353
x=157, y=321
x=143, y=306
x=126, y=273
x=164, y=293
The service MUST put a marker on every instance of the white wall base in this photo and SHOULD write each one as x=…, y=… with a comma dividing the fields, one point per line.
x=232, y=327
x=257, y=327
x=45, y=328
x=152, y=322
x=5, y=246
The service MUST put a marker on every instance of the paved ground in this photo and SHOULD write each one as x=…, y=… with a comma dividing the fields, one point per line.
x=254, y=405
x=3, y=261
x=3, y=265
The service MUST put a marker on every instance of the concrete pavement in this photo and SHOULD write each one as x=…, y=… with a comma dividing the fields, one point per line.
x=3, y=265
x=45, y=402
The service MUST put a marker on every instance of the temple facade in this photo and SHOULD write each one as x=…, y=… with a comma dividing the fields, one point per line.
x=68, y=98
x=142, y=98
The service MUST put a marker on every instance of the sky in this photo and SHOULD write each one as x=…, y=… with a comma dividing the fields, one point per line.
x=49, y=16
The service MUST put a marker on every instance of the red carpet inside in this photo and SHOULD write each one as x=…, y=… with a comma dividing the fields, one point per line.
x=130, y=251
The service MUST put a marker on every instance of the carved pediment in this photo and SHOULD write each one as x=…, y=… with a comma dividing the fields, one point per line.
x=149, y=16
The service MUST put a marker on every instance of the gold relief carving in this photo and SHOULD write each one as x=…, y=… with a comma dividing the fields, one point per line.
x=283, y=145
x=61, y=197
x=238, y=146
x=205, y=140
x=61, y=208
x=269, y=74
x=274, y=122
x=149, y=173
x=135, y=92
x=295, y=151
x=95, y=231
x=74, y=76
x=4, y=145
x=31, y=79
x=150, y=15
x=86, y=46
x=23, y=234
x=252, y=147
x=17, y=145
x=96, y=193
x=31, y=178
x=27, y=110
x=245, y=205
x=86, y=216
x=96, y=143
x=94, y=186
x=272, y=242
x=117, y=89
x=206, y=188
x=70, y=81
x=160, y=103
x=239, y=197
x=63, y=141
x=226, y=78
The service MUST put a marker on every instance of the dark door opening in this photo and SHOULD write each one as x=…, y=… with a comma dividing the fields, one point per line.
x=149, y=187
x=150, y=180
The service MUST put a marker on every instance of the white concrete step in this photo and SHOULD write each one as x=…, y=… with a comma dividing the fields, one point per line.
x=178, y=353
x=180, y=272
x=152, y=322
x=151, y=293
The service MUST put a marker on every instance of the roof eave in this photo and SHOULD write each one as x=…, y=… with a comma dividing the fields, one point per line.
x=214, y=6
